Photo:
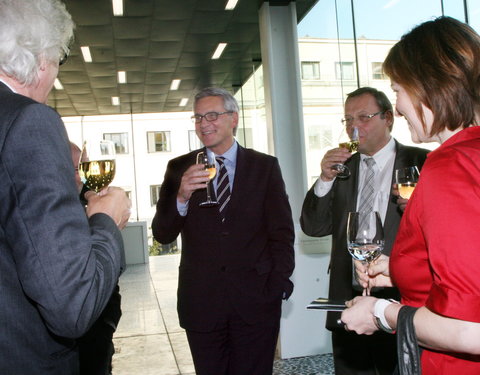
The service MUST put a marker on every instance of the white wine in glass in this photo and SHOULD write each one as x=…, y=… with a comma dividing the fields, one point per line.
x=365, y=237
x=406, y=180
x=209, y=163
x=97, y=164
x=351, y=144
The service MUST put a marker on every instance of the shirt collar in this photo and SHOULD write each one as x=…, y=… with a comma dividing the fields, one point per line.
x=6, y=84
x=230, y=154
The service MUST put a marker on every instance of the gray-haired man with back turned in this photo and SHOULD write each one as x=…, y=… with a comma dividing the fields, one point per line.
x=58, y=265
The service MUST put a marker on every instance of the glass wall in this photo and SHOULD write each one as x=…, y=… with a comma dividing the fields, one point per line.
x=342, y=45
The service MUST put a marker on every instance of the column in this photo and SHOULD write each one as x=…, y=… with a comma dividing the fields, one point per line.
x=302, y=332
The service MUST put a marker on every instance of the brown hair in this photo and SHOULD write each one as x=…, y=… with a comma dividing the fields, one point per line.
x=438, y=64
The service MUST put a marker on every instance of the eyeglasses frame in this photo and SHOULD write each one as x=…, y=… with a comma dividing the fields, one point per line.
x=196, y=118
x=346, y=121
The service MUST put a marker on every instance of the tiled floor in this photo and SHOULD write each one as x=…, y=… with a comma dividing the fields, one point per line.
x=149, y=340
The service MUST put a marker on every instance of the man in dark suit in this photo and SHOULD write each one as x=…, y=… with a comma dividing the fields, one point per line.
x=96, y=347
x=324, y=212
x=237, y=256
x=58, y=266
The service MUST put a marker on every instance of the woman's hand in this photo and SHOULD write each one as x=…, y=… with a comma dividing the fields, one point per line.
x=374, y=275
x=379, y=272
x=358, y=317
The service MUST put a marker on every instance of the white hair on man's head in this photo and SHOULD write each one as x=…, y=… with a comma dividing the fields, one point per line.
x=32, y=31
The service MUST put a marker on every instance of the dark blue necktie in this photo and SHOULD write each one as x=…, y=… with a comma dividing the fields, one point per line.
x=223, y=187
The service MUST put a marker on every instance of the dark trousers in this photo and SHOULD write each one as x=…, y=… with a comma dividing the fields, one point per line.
x=96, y=350
x=234, y=347
x=364, y=355
x=96, y=346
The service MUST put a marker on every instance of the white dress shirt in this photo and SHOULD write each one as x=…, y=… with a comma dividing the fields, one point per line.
x=384, y=161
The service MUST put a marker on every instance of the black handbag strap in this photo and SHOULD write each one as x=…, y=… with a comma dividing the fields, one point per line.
x=408, y=351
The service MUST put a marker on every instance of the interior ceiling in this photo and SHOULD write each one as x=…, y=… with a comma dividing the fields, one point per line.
x=155, y=42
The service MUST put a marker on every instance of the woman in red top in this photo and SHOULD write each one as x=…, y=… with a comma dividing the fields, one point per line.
x=435, y=263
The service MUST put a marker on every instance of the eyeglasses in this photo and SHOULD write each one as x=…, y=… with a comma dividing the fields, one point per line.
x=64, y=58
x=348, y=120
x=209, y=116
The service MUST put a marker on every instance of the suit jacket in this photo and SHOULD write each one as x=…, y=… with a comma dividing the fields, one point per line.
x=328, y=215
x=57, y=268
x=247, y=260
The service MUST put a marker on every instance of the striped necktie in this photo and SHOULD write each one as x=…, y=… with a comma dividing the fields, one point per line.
x=223, y=187
x=368, y=191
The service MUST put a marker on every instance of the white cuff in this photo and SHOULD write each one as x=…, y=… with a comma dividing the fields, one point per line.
x=379, y=312
x=322, y=188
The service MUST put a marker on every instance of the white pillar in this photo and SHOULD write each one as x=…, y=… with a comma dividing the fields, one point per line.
x=302, y=332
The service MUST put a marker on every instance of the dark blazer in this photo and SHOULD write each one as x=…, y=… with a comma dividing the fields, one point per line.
x=328, y=215
x=248, y=259
x=57, y=268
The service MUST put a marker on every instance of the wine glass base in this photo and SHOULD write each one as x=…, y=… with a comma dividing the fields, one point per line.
x=208, y=204
x=343, y=171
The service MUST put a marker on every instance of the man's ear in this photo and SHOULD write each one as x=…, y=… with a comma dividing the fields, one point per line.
x=235, y=119
x=388, y=115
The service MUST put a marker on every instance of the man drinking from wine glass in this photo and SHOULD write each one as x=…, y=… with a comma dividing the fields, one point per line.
x=58, y=263
x=237, y=255
x=96, y=347
x=325, y=210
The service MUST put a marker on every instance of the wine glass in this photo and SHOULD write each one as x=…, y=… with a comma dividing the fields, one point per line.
x=97, y=164
x=209, y=163
x=351, y=144
x=365, y=237
x=406, y=180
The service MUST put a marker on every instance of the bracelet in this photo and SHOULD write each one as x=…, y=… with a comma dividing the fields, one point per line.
x=379, y=313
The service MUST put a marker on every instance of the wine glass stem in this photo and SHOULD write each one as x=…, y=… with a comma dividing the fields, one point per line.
x=366, y=291
x=209, y=198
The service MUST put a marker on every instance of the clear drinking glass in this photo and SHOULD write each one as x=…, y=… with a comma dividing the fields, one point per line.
x=365, y=237
x=97, y=164
x=406, y=180
x=209, y=163
x=351, y=144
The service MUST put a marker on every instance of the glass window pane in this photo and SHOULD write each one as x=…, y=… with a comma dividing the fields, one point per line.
x=310, y=70
x=473, y=10
x=158, y=141
x=193, y=141
x=154, y=194
x=120, y=140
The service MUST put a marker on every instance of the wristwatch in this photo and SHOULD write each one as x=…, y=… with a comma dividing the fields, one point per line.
x=379, y=313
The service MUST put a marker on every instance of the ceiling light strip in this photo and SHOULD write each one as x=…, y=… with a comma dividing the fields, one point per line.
x=175, y=84
x=115, y=100
x=183, y=102
x=87, y=56
x=117, y=7
x=122, y=76
x=218, y=52
x=231, y=4
x=58, y=85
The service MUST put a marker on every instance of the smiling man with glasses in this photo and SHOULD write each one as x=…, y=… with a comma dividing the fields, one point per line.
x=325, y=209
x=237, y=256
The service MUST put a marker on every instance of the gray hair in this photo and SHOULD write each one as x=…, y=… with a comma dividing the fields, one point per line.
x=229, y=102
x=32, y=31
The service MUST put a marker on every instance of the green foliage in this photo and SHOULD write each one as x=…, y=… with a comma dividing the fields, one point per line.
x=158, y=249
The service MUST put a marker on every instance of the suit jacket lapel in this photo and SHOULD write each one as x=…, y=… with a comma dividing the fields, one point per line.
x=352, y=183
x=239, y=180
